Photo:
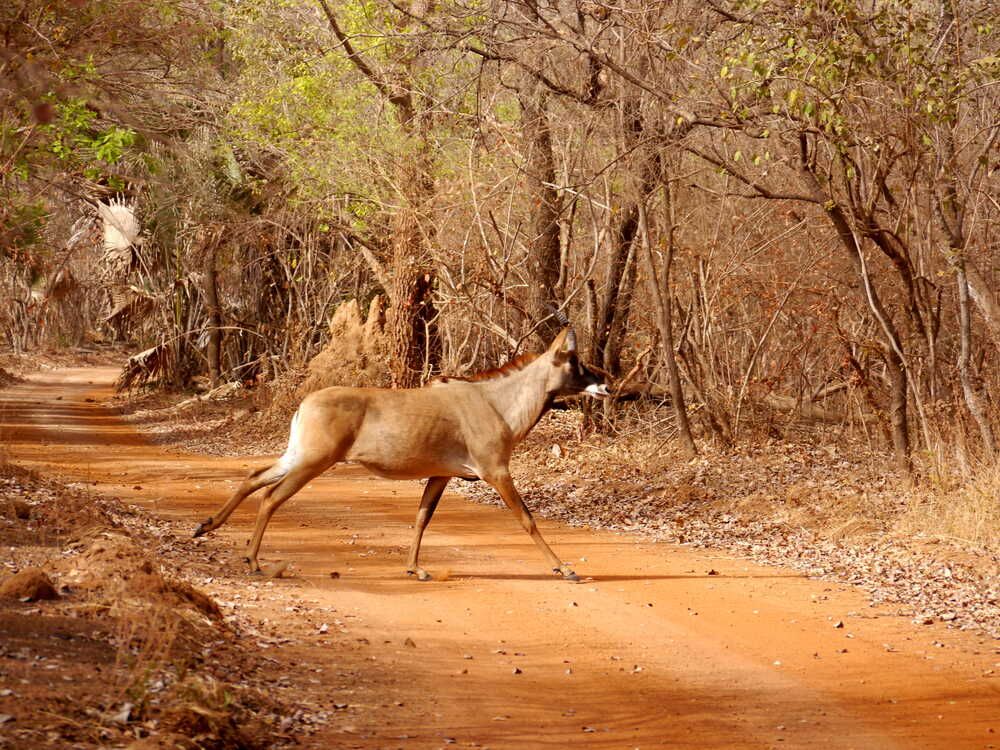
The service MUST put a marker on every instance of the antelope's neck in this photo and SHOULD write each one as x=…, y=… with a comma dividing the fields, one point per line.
x=519, y=398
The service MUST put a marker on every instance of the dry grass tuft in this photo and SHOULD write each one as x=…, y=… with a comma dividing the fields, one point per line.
x=966, y=514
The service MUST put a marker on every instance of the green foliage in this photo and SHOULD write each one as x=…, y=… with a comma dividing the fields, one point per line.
x=21, y=228
x=76, y=139
x=80, y=81
x=314, y=110
x=335, y=134
x=850, y=74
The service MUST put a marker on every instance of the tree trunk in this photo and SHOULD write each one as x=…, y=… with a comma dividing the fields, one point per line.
x=891, y=345
x=949, y=204
x=898, y=418
x=544, y=256
x=177, y=351
x=619, y=283
x=622, y=253
x=619, y=322
x=951, y=215
x=985, y=299
x=973, y=399
x=659, y=289
x=414, y=348
x=214, y=348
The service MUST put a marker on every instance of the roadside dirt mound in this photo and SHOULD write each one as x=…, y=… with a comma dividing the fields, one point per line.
x=354, y=355
x=85, y=603
x=113, y=565
x=7, y=378
x=29, y=585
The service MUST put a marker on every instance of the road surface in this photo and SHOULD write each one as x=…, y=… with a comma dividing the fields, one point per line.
x=663, y=646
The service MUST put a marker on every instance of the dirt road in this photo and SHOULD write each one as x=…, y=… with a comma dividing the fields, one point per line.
x=663, y=647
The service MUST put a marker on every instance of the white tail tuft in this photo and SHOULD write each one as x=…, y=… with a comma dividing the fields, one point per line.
x=290, y=456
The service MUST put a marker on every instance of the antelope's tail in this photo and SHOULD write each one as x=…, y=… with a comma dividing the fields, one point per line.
x=293, y=450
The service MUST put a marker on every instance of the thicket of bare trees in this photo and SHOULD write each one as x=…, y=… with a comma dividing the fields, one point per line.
x=758, y=214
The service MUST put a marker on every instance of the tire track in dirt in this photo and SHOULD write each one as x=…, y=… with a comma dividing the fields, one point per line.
x=665, y=647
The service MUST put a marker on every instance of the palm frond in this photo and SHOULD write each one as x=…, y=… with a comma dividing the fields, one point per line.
x=145, y=368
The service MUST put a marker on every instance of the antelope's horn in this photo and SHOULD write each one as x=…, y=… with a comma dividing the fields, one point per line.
x=558, y=315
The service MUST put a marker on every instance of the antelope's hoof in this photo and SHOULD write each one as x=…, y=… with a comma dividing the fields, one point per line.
x=203, y=528
x=567, y=574
x=420, y=573
x=254, y=567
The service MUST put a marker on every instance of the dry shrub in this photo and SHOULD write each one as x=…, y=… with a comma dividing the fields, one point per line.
x=160, y=621
x=147, y=642
x=160, y=627
x=146, y=368
x=202, y=711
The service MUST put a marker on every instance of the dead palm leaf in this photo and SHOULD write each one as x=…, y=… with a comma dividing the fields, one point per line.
x=145, y=368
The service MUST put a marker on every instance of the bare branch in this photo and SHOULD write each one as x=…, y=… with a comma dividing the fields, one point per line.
x=352, y=54
x=759, y=190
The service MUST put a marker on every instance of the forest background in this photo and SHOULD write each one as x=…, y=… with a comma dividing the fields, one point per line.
x=773, y=224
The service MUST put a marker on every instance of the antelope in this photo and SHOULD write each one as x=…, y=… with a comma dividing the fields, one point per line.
x=454, y=427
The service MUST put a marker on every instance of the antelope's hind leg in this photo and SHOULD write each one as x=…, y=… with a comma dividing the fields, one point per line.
x=428, y=504
x=292, y=482
x=256, y=480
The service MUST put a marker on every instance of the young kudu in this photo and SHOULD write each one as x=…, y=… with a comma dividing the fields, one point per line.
x=456, y=427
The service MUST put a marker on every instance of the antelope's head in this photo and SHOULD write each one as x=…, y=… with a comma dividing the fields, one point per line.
x=568, y=376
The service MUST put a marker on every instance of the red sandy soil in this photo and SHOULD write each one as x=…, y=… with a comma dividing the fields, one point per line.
x=661, y=646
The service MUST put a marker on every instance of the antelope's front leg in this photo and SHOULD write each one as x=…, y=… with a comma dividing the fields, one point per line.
x=512, y=498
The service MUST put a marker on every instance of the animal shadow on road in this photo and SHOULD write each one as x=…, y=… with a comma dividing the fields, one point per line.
x=614, y=578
